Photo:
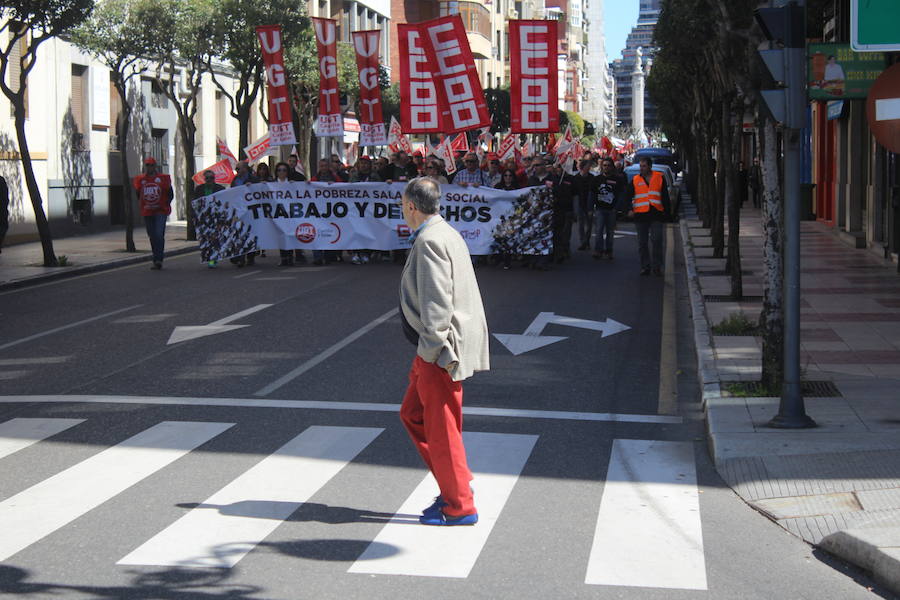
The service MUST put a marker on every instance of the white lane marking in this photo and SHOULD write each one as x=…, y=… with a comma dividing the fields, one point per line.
x=64, y=327
x=230, y=523
x=287, y=378
x=648, y=530
x=495, y=460
x=184, y=333
x=241, y=314
x=45, y=507
x=887, y=109
x=20, y=433
x=275, y=279
x=483, y=411
x=247, y=274
x=40, y=360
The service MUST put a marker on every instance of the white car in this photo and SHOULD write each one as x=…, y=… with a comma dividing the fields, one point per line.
x=674, y=190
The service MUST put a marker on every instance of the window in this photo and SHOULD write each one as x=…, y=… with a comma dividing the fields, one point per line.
x=79, y=107
x=15, y=64
x=159, y=147
x=158, y=98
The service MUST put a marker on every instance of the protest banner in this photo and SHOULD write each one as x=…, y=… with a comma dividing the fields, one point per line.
x=342, y=216
x=533, y=76
x=223, y=171
x=281, y=123
x=420, y=109
x=329, y=123
x=371, y=119
x=508, y=147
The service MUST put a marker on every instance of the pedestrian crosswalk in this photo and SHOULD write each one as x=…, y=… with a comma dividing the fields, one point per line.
x=648, y=528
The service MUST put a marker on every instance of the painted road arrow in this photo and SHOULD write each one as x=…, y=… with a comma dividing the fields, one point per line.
x=532, y=339
x=192, y=332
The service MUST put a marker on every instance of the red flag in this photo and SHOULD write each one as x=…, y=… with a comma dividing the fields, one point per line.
x=329, y=123
x=508, y=147
x=222, y=169
x=457, y=78
x=281, y=124
x=460, y=143
x=371, y=121
x=533, y=76
x=440, y=90
x=225, y=152
x=420, y=108
x=606, y=144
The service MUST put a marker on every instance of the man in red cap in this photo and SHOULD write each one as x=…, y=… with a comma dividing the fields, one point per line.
x=155, y=195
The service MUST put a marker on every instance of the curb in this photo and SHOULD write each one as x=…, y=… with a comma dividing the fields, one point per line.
x=876, y=550
x=91, y=268
x=706, y=362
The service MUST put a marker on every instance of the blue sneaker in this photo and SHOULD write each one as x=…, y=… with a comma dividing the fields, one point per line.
x=441, y=519
x=435, y=507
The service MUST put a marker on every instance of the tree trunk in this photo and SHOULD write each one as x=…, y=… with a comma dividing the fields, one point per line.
x=244, y=140
x=34, y=192
x=718, y=225
x=772, y=317
x=124, y=128
x=188, y=135
x=731, y=150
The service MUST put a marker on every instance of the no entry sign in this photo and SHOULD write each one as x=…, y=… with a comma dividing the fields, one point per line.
x=883, y=109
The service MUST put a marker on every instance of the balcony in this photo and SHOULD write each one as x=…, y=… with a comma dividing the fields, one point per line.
x=476, y=19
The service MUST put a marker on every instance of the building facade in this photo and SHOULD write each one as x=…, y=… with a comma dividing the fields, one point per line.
x=641, y=36
x=599, y=84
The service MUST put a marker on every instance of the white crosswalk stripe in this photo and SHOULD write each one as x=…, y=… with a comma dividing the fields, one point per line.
x=43, y=508
x=495, y=461
x=231, y=522
x=18, y=434
x=648, y=530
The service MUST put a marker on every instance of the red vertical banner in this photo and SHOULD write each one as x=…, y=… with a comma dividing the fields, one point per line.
x=420, y=106
x=329, y=123
x=459, y=86
x=533, y=86
x=371, y=120
x=281, y=124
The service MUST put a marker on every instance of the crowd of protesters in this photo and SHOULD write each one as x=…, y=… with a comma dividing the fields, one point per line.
x=588, y=198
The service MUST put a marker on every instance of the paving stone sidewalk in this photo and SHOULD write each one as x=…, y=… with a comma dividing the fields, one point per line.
x=836, y=486
x=21, y=264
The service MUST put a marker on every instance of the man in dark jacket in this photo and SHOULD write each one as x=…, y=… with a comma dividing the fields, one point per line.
x=610, y=188
x=584, y=188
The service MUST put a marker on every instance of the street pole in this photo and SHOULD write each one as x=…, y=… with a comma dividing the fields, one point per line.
x=791, y=410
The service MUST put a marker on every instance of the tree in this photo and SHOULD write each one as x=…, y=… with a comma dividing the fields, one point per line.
x=573, y=120
x=25, y=26
x=237, y=44
x=116, y=38
x=181, y=44
x=301, y=60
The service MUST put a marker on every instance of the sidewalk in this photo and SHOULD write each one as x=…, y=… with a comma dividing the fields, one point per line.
x=21, y=264
x=836, y=486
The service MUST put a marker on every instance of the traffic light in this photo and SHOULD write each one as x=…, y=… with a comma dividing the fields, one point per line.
x=785, y=28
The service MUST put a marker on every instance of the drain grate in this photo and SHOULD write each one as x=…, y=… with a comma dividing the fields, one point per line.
x=722, y=272
x=809, y=389
x=729, y=298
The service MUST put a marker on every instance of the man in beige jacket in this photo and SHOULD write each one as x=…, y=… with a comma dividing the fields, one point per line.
x=441, y=311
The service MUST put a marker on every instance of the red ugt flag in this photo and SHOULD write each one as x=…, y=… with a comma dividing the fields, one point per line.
x=329, y=123
x=281, y=124
x=371, y=120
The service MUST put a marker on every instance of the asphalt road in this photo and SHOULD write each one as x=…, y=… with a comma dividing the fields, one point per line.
x=264, y=458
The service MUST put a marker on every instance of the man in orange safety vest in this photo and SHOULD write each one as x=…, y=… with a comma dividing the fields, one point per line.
x=650, y=209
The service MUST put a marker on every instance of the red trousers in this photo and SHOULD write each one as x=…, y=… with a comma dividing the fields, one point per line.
x=432, y=414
